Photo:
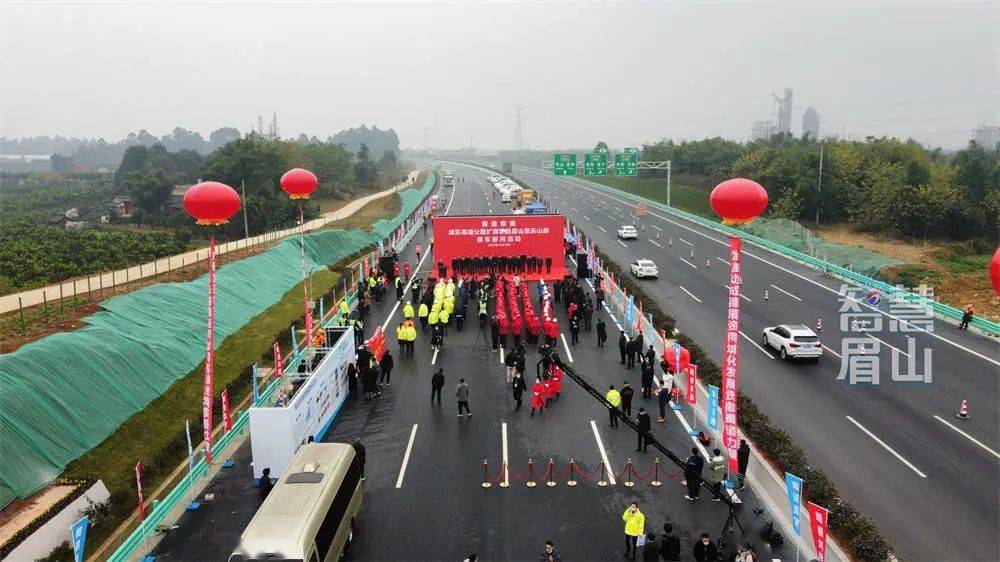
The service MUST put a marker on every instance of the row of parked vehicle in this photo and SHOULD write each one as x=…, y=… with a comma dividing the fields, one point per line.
x=506, y=187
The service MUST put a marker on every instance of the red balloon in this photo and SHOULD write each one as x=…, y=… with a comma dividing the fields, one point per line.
x=299, y=183
x=671, y=358
x=211, y=202
x=738, y=201
x=995, y=271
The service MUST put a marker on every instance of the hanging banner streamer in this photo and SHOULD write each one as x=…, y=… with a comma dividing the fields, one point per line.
x=227, y=420
x=730, y=364
x=713, y=406
x=138, y=486
x=187, y=432
x=279, y=361
x=793, y=485
x=256, y=391
x=207, y=390
x=79, y=533
x=817, y=522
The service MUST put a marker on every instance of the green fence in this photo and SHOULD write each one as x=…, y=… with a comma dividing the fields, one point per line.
x=859, y=278
x=63, y=395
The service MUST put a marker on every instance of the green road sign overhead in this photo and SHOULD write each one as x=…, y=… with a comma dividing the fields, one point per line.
x=630, y=150
x=627, y=163
x=564, y=164
x=595, y=164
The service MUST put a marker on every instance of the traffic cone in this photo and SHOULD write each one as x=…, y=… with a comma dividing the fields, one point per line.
x=692, y=252
x=670, y=242
x=708, y=264
x=765, y=295
x=657, y=235
x=644, y=227
x=963, y=412
x=819, y=324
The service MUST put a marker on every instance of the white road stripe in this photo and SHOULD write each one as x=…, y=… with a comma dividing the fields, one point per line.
x=406, y=457
x=501, y=355
x=651, y=241
x=742, y=296
x=755, y=344
x=831, y=351
x=967, y=436
x=602, y=228
x=586, y=217
x=886, y=447
x=686, y=242
x=569, y=354
x=574, y=209
x=787, y=293
x=722, y=260
x=689, y=293
x=506, y=465
x=434, y=358
x=656, y=227
x=689, y=263
x=406, y=291
x=623, y=244
x=604, y=455
x=888, y=344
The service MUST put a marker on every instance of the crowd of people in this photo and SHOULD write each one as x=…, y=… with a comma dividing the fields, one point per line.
x=497, y=265
x=667, y=546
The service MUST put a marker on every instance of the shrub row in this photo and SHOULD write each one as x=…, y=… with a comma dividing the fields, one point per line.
x=82, y=485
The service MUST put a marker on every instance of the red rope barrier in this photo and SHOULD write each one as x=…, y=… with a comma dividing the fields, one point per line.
x=623, y=472
x=584, y=473
x=675, y=474
x=522, y=476
x=648, y=472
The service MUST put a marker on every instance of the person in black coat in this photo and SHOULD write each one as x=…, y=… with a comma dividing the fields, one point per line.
x=647, y=379
x=518, y=387
x=437, y=383
x=650, y=354
x=385, y=367
x=599, y=294
x=638, y=343
x=692, y=474
x=359, y=452
x=623, y=346
x=627, y=392
x=548, y=265
x=705, y=550
x=602, y=332
x=643, y=421
x=670, y=544
x=742, y=460
x=631, y=351
x=352, y=379
x=264, y=484
x=495, y=333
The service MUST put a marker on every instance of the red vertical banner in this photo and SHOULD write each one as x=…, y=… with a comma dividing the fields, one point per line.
x=226, y=419
x=138, y=487
x=279, y=361
x=692, y=384
x=817, y=523
x=206, y=402
x=730, y=364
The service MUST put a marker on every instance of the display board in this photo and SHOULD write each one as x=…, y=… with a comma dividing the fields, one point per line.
x=507, y=236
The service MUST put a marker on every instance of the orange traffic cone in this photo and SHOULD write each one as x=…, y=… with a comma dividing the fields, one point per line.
x=819, y=324
x=657, y=235
x=692, y=253
x=708, y=264
x=963, y=412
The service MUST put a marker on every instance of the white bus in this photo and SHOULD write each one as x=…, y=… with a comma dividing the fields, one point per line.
x=310, y=514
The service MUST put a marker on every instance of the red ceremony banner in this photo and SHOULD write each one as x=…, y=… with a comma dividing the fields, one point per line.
x=376, y=344
x=206, y=401
x=227, y=421
x=692, y=384
x=491, y=235
x=640, y=209
x=730, y=364
x=279, y=361
x=138, y=487
x=817, y=523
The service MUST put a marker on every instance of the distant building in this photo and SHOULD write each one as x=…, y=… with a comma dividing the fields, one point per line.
x=73, y=213
x=121, y=206
x=762, y=130
x=176, y=201
x=987, y=137
x=784, y=111
x=810, y=123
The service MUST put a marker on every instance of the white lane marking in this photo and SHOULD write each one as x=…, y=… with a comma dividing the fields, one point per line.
x=755, y=344
x=802, y=277
x=831, y=351
x=586, y=217
x=742, y=296
x=501, y=355
x=886, y=447
x=686, y=242
x=604, y=455
x=506, y=466
x=651, y=241
x=602, y=228
x=406, y=457
x=656, y=227
x=623, y=244
x=406, y=291
x=574, y=209
x=434, y=357
x=569, y=354
x=689, y=263
x=786, y=292
x=967, y=436
x=888, y=344
x=689, y=293
x=722, y=260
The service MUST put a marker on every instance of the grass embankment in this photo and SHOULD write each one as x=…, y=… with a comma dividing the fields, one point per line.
x=690, y=199
x=155, y=435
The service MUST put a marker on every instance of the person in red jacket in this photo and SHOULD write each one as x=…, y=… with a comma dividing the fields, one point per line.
x=549, y=387
x=406, y=268
x=395, y=269
x=552, y=331
x=556, y=380
x=537, y=396
x=516, y=329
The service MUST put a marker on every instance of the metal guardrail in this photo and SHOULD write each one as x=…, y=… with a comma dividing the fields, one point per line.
x=886, y=289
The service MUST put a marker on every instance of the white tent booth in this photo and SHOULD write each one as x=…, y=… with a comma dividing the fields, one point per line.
x=319, y=388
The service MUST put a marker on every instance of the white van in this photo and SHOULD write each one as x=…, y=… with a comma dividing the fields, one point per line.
x=310, y=514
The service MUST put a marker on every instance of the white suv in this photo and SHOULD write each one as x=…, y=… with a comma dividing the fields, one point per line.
x=644, y=268
x=794, y=341
x=628, y=232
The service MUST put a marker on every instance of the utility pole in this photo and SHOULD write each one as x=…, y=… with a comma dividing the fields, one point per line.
x=243, y=195
x=819, y=185
x=668, y=182
x=518, y=128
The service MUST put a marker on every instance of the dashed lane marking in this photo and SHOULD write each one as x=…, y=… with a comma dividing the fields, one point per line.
x=755, y=344
x=690, y=295
x=886, y=447
x=406, y=457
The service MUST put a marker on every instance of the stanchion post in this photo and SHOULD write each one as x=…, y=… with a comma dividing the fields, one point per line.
x=628, y=475
x=656, y=473
x=603, y=482
x=486, y=475
x=531, y=475
x=552, y=468
x=572, y=468
x=504, y=483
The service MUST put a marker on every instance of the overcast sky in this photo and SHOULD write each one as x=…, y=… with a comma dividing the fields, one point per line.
x=622, y=72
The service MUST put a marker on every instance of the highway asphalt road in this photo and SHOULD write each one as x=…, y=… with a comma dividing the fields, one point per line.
x=423, y=499
x=896, y=449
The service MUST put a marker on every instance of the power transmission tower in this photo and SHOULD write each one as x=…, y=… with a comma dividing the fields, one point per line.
x=519, y=128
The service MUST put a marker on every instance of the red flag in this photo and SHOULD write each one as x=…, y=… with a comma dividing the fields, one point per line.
x=692, y=384
x=279, y=361
x=209, y=381
x=138, y=486
x=226, y=419
x=731, y=350
x=817, y=522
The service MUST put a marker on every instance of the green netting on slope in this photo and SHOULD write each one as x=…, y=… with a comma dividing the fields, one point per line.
x=791, y=234
x=62, y=395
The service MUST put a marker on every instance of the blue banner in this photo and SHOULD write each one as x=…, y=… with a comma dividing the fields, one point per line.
x=794, y=488
x=295, y=343
x=256, y=391
x=79, y=533
x=713, y=406
x=629, y=311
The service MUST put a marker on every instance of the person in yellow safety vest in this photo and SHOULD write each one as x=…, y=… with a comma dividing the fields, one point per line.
x=371, y=282
x=422, y=312
x=408, y=311
x=401, y=339
x=449, y=304
x=344, y=309
x=411, y=335
x=635, y=527
x=445, y=315
x=432, y=319
x=614, y=402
